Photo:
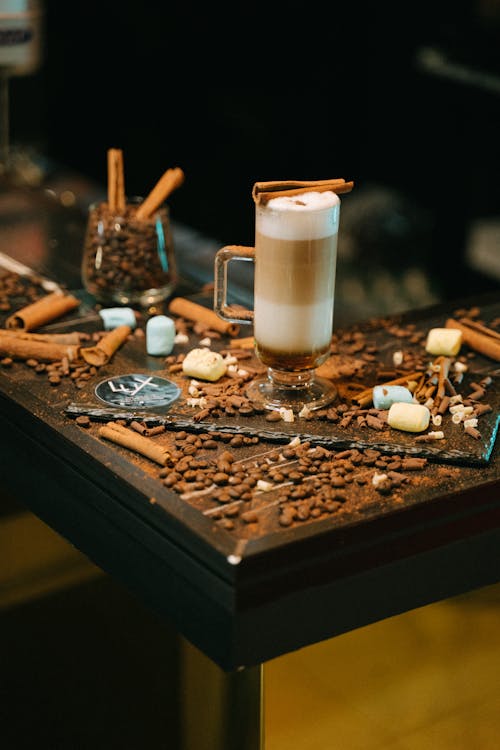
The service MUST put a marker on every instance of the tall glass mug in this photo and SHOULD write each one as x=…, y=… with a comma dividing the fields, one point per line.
x=294, y=290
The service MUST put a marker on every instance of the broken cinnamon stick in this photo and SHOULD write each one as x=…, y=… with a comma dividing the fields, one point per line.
x=42, y=311
x=101, y=353
x=444, y=369
x=478, y=337
x=168, y=182
x=135, y=442
x=20, y=348
x=263, y=192
x=184, y=308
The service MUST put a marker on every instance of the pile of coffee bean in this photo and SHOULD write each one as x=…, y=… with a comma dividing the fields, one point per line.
x=296, y=483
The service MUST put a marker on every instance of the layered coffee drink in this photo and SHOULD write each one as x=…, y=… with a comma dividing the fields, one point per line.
x=295, y=262
x=295, y=256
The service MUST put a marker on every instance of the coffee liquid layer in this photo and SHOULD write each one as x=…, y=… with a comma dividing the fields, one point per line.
x=292, y=362
x=294, y=292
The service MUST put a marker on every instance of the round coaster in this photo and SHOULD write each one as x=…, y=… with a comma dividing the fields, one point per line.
x=137, y=391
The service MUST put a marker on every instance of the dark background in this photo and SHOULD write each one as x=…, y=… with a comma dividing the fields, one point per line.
x=403, y=100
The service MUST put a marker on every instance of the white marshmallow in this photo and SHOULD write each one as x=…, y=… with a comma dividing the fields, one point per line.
x=204, y=364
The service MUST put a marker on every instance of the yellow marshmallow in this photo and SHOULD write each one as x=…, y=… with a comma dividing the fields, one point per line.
x=444, y=341
x=408, y=417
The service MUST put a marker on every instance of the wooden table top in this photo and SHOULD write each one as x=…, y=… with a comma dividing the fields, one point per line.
x=245, y=591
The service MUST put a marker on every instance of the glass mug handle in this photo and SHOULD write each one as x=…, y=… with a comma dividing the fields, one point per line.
x=222, y=258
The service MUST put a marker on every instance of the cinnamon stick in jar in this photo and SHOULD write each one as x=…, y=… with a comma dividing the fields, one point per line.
x=101, y=353
x=116, y=180
x=44, y=310
x=168, y=182
x=185, y=308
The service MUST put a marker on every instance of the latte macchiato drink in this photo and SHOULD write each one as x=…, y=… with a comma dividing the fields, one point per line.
x=294, y=287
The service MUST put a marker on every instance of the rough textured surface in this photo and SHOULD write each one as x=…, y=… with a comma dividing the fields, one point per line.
x=254, y=477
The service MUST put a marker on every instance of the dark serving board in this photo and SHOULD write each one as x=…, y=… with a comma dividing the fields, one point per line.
x=457, y=447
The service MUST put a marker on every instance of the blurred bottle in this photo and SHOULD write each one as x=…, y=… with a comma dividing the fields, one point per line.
x=21, y=51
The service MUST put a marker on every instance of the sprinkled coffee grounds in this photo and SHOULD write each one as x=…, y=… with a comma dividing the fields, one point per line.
x=292, y=485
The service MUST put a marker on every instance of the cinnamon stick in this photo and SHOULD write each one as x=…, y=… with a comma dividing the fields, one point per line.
x=365, y=398
x=42, y=311
x=248, y=342
x=184, y=308
x=72, y=338
x=168, y=182
x=478, y=337
x=20, y=348
x=101, y=353
x=263, y=192
x=444, y=369
x=135, y=442
x=116, y=180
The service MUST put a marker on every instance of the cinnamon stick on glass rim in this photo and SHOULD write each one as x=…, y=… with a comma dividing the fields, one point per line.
x=168, y=182
x=116, y=180
x=263, y=192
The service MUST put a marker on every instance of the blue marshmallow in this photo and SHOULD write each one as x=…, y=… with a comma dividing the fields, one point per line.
x=160, y=335
x=386, y=395
x=112, y=317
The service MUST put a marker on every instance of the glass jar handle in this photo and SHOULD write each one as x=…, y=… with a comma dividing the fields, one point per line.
x=222, y=258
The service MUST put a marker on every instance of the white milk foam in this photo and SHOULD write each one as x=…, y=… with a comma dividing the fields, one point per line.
x=300, y=217
x=295, y=328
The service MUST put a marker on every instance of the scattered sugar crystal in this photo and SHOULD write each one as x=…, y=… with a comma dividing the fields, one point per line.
x=201, y=402
x=378, y=478
x=206, y=341
x=397, y=358
x=287, y=414
x=264, y=486
x=181, y=338
x=305, y=411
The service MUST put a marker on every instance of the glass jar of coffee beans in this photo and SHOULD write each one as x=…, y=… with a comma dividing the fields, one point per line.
x=128, y=260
